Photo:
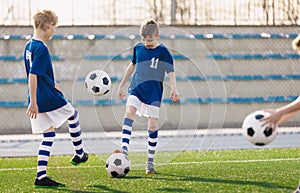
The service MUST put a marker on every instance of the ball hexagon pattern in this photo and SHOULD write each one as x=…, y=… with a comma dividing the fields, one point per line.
x=254, y=132
x=118, y=165
x=97, y=82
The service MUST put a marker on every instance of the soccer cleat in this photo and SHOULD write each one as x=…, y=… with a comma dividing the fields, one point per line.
x=46, y=182
x=150, y=168
x=77, y=160
x=120, y=151
x=298, y=189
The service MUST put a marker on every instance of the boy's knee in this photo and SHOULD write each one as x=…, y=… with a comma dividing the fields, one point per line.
x=130, y=112
x=152, y=124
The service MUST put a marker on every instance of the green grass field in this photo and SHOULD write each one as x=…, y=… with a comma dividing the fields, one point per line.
x=264, y=170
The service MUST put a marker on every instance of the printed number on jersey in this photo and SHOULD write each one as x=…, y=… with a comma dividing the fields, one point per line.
x=28, y=57
x=154, y=63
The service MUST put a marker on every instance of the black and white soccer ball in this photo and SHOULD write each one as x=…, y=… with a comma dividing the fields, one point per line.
x=118, y=165
x=97, y=82
x=254, y=132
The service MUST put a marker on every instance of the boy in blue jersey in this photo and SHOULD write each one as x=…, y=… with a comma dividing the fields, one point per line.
x=150, y=61
x=47, y=107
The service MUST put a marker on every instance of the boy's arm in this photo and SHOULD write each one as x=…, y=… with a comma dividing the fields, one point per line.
x=128, y=72
x=282, y=114
x=32, y=109
x=174, y=93
x=288, y=110
x=56, y=85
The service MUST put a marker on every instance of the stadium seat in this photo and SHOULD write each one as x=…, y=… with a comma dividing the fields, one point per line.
x=237, y=56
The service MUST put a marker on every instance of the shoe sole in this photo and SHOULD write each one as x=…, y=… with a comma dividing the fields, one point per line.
x=75, y=164
x=58, y=186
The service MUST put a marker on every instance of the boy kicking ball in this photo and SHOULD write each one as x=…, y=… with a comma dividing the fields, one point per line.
x=47, y=107
x=150, y=61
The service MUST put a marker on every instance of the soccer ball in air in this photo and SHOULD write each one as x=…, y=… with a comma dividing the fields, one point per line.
x=254, y=131
x=97, y=82
x=118, y=165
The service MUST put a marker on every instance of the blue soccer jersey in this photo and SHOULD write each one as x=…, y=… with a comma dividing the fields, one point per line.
x=38, y=61
x=151, y=66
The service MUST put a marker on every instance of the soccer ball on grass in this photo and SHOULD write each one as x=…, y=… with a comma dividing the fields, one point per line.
x=253, y=130
x=97, y=82
x=118, y=165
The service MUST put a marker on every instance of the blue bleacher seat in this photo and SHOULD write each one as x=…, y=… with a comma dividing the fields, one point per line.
x=273, y=56
x=292, y=55
x=19, y=58
x=13, y=80
x=246, y=35
x=99, y=36
x=79, y=37
x=167, y=101
x=214, y=100
x=13, y=104
x=290, y=98
x=292, y=76
x=237, y=56
x=58, y=37
x=8, y=58
x=238, y=100
x=256, y=56
x=274, y=77
x=55, y=57
x=195, y=78
x=213, y=77
x=275, y=99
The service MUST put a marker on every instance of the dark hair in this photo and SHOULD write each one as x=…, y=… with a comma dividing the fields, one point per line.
x=149, y=27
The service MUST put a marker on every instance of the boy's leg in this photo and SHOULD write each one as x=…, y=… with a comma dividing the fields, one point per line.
x=75, y=133
x=127, y=128
x=43, y=156
x=126, y=133
x=152, y=143
x=44, y=153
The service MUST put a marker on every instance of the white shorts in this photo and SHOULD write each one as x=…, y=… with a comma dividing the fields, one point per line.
x=142, y=108
x=56, y=118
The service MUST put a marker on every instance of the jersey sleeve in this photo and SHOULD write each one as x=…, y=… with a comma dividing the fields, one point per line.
x=38, y=61
x=168, y=59
x=133, y=59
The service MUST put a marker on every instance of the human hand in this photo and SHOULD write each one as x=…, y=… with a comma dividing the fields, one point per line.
x=174, y=95
x=32, y=110
x=121, y=93
x=272, y=119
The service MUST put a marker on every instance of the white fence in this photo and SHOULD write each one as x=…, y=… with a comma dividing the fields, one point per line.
x=176, y=12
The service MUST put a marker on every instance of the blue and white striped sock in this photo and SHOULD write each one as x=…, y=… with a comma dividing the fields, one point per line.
x=126, y=133
x=44, y=154
x=152, y=142
x=75, y=133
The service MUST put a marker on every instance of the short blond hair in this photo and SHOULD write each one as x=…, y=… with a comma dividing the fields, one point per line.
x=42, y=18
x=296, y=43
x=149, y=27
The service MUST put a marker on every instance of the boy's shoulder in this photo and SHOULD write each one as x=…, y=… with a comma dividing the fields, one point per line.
x=36, y=43
x=138, y=44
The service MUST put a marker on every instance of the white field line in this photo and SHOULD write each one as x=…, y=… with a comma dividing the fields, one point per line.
x=162, y=164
